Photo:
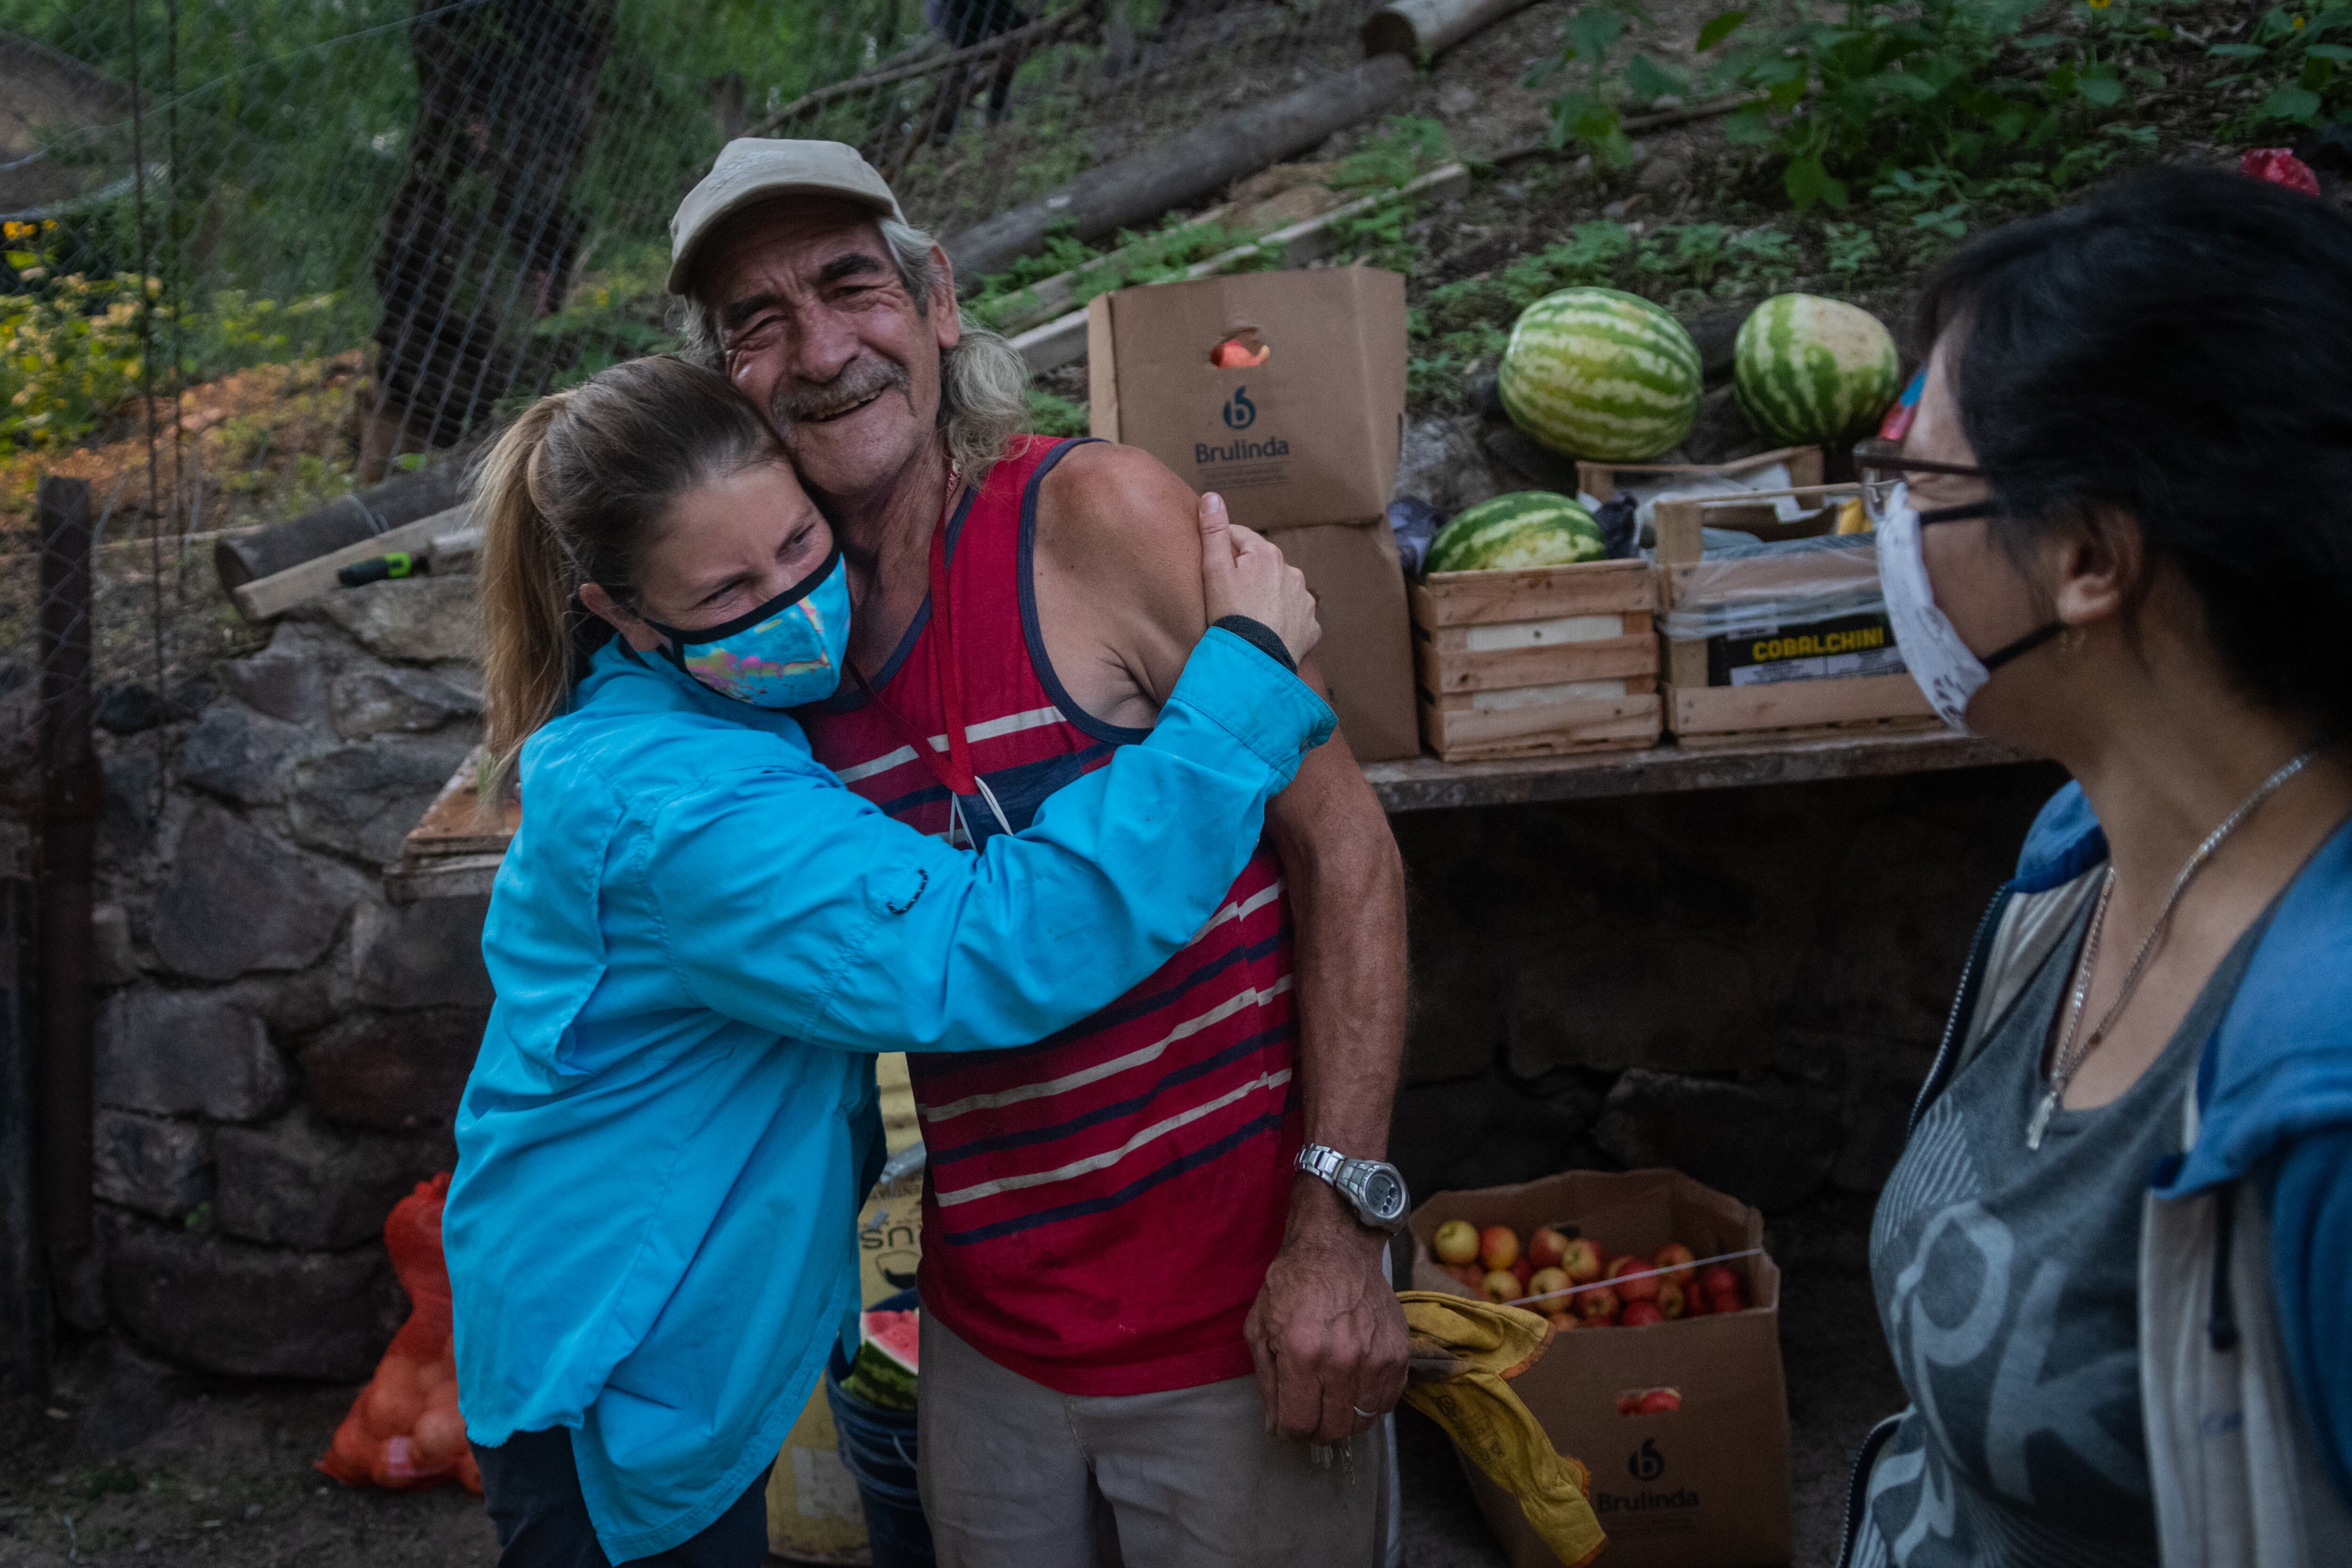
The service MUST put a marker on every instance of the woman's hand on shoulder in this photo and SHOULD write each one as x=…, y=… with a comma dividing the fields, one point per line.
x=1241, y=573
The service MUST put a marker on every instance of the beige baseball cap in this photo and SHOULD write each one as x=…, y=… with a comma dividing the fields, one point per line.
x=757, y=169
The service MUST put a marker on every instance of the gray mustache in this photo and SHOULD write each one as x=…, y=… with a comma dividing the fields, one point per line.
x=794, y=402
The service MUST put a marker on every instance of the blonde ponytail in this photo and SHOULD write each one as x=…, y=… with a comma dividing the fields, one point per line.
x=568, y=496
x=529, y=614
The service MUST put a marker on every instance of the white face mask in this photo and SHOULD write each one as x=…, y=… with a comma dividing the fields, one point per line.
x=1931, y=646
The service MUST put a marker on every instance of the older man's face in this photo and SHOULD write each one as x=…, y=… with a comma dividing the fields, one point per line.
x=820, y=331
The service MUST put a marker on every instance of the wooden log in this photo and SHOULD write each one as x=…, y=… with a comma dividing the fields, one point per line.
x=1419, y=27
x=1186, y=168
x=274, y=595
x=347, y=519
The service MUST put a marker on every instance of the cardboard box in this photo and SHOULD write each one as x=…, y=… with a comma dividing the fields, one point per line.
x=1705, y=1486
x=1302, y=445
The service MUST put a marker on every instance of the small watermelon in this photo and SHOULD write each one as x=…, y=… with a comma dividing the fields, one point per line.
x=884, y=1371
x=1809, y=369
x=1531, y=527
x=1603, y=374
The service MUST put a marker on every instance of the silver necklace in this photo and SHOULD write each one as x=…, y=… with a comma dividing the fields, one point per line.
x=2071, y=1053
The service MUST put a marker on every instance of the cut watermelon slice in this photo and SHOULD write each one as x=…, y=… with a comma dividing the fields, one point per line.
x=897, y=1335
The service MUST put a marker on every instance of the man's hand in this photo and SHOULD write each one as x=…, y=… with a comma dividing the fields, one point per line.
x=1327, y=1333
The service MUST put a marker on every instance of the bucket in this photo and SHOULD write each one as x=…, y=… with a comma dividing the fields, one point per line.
x=879, y=1446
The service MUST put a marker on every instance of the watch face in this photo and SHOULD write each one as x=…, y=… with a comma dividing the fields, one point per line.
x=1384, y=1194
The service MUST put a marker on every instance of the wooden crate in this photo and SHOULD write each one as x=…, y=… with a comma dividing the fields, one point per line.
x=1700, y=715
x=1536, y=662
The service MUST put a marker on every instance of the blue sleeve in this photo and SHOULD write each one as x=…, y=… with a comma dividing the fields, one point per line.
x=2311, y=1273
x=803, y=910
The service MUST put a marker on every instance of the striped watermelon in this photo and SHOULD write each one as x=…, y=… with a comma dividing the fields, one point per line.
x=1532, y=528
x=1600, y=374
x=1809, y=369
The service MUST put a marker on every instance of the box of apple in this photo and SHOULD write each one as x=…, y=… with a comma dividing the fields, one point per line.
x=1683, y=1418
x=1565, y=1276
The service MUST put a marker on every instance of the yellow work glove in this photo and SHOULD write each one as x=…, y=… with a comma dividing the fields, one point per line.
x=1462, y=1351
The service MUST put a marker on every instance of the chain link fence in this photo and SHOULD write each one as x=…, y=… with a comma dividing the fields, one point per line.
x=254, y=254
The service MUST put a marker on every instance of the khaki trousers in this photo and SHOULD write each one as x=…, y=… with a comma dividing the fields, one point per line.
x=1014, y=1475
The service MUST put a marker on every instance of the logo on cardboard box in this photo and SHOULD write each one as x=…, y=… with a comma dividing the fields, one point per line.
x=1239, y=413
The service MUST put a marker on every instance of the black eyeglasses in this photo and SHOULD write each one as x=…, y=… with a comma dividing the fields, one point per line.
x=1882, y=467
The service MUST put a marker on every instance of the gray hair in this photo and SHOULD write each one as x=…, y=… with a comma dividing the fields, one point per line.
x=983, y=383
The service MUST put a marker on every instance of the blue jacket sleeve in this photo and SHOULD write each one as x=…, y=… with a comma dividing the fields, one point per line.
x=2311, y=1274
x=805, y=911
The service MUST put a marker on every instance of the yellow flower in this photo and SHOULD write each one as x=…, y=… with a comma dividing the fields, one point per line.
x=2297, y=24
x=2098, y=5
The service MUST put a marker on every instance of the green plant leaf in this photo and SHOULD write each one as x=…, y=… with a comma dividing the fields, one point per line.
x=2101, y=91
x=1719, y=27
x=2291, y=102
x=2237, y=52
x=1591, y=31
x=2336, y=52
x=1808, y=183
x=1645, y=78
x=1748, y=127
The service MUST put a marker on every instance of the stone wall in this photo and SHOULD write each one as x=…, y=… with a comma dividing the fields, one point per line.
x=1747, y=985
x=278, y=1049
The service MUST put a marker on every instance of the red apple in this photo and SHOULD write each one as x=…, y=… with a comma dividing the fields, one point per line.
x=1582, y=1259
x=1731, y=1300
x=1659, y=1401
x=1547, y=1246
x=1716, y=1278
x=1525, y=1270
x=1598, y=1306
x=1550, y=1282
x=1670, y=1299
x=1500, y=1285
x=1676, y=1260
x=1498, y=1247
x=1639, y=1314
x=1628, y=1402
x=1470, y=1274
x=1636, y=1282
x=1562, y=1321
x=1456, y=1241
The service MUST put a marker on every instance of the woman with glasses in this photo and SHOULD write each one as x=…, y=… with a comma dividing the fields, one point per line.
x=2115, y=1262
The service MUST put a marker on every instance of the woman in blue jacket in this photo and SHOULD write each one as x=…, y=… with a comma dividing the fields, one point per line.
x=2114, y=1261
x=699, y=938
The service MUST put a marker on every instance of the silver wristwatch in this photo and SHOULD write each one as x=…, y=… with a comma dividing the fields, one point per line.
x=1373, y=1187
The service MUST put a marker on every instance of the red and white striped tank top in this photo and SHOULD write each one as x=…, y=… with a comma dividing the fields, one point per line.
x=1101, y=1206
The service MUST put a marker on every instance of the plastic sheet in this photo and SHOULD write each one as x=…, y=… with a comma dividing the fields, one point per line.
x=1755, y=590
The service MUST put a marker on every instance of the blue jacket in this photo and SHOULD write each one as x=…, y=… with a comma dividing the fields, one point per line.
x=698, y=939
x=2274, y=1101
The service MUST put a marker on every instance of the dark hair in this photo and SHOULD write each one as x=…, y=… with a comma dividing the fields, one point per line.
x=2178, y=348
x=568, y=496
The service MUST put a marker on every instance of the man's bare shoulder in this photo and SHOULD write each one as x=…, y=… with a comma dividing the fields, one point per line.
x=1118, y=576
x=1116, y=515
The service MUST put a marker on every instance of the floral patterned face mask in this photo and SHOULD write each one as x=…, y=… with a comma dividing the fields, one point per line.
x=786, y=653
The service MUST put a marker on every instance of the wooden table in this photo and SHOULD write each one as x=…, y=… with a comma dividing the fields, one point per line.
x=1424, y=784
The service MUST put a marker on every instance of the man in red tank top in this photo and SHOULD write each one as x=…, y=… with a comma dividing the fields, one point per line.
x=1149, y=1335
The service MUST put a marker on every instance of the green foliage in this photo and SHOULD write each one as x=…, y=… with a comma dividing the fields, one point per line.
x=1403, y=148
x=1053, y=416
x=1935, y=105
x=76, y=349
x=2295, y=60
